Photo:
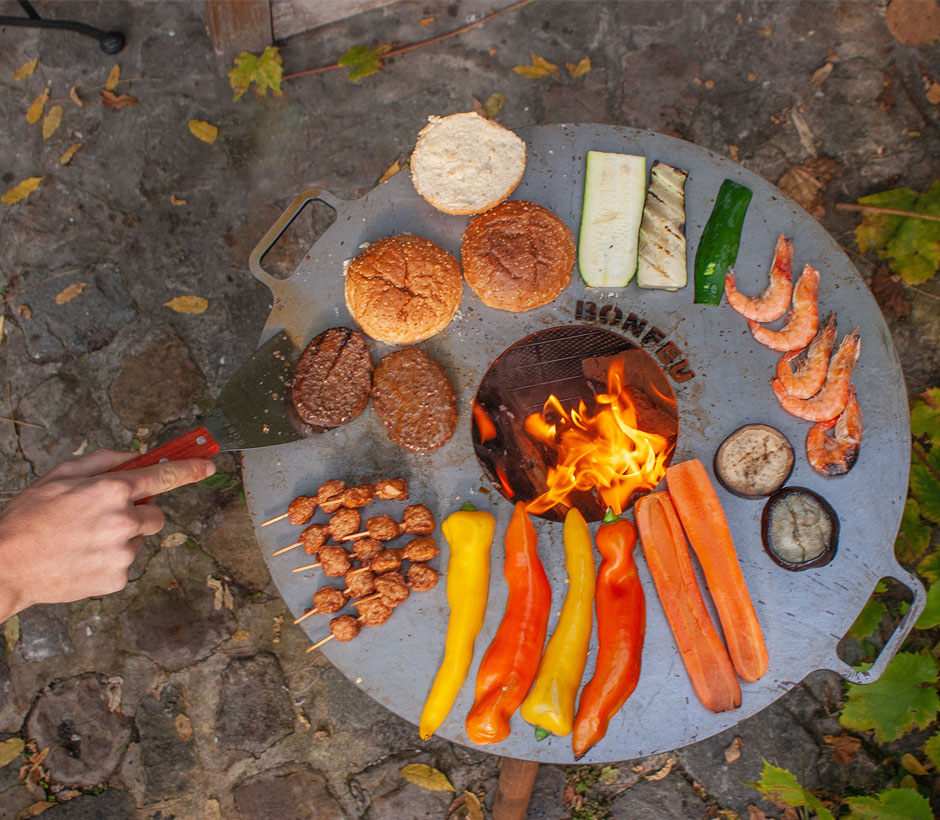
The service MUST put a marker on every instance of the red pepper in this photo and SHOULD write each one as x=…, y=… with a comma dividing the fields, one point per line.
x=508, y=668
x=621, y=626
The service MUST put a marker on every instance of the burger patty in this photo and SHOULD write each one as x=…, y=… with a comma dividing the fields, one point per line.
x=414, y=399
x=333, y=378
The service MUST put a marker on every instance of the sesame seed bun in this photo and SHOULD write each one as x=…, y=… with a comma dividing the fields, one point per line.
x=403, y=289
x=465, y=163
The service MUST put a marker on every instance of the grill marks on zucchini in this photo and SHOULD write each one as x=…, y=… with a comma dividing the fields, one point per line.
x=662, y=247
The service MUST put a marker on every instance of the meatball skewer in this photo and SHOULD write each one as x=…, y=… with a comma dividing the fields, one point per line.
x=326, y=601
x=333, y=494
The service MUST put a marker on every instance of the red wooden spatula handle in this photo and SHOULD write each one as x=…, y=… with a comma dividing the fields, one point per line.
x=197, y=443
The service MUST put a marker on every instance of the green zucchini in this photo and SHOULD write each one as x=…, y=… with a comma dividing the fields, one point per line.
x=614, y=188
x=662, y=258
x=718, y=247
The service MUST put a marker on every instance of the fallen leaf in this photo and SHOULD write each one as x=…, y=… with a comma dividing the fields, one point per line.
x=426, y=777
x=913, y=765
x=11, y=631
x=265, y=71
x=117, y=101
x=844, y=747
x=73, y=96
x=175, y=200
x=914, y=22
x=609, y=775
x=493, y=105
x=51, y=121
x=10, y=750
x=34, y=810
x=174, y=539
x=754, y=813
x=493, y=51
x=539, y=68
x=26, y=69
x=276, y=628
x=579, y=69
x=2, y=323
x=805, y=132
x=212, y=810
x=70, y=152
x=664, y=770
x=114, y=77
x=885, y=99
x=426, y=21
x=888, y=291
x=216, y=585
x=114, y=689
x=766, y=31
x=733, y=752
x=21, y=190
x=734, y=153
x=184, y=727
x=933, y=94
x=709, y=83
x=241, y=635
x=36, y=109
x=465, y=807
x=364, y=60
x=821, y=73
x=392, y=169
x=751, y=77
x=807, y=183
x=25, y=312
x=204, y=131
x=729, y=814
x=227, y=600
x=188, y=304
x=69, y=293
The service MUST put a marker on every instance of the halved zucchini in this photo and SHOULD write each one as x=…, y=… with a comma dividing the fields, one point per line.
x=614, y=188
x=662, y=255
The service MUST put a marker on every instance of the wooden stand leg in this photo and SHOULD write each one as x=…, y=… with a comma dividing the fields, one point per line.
x=516, y=779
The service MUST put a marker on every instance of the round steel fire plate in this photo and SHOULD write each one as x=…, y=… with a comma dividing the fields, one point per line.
x=721, y=380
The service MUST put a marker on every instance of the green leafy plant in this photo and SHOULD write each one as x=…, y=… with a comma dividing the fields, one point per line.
x=264, y=71
x=364, y=60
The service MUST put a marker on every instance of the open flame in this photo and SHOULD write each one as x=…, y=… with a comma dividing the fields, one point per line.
x=605, y=451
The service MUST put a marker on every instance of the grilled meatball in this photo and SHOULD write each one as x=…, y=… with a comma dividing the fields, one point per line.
x=374, y=612
x=417, y=520
x=383, y=527
x=359, y=496
x=386, y=561
x=301, y=509
x=344, y=522
x=344, y=627
x=330, y=495
x=328, y=600
x=421, y=577
x=392, y=488
x=314, y=537
x=360, y=582
x=421, y=550
x=392, y=588
x=366, y=549
x=335, y=561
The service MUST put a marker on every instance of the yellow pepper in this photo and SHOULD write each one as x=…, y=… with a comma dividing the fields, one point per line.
x=469, y=532
x=550, y=703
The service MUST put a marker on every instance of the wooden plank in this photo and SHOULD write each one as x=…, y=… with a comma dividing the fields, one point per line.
x=514, y=789
x=290, y=17
x=236, y=26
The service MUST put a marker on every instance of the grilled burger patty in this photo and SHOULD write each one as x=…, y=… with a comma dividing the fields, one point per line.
x=414, y=399
x=333, y=378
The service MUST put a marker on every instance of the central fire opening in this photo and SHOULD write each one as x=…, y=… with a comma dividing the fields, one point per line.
x=575, y=417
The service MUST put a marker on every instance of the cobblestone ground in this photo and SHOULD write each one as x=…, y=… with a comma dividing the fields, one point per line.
x=180, y=697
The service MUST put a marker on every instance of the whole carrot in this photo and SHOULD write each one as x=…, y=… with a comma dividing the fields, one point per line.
x=700, y=646
x=621, y=626
x=707, y=528
x=509, y=665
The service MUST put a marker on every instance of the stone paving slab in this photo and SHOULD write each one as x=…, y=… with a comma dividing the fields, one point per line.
x=189, y=695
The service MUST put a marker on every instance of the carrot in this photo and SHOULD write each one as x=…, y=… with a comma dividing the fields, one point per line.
x=707, y=528
x=700, y=646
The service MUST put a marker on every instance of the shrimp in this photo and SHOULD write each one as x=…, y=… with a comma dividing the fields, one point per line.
x=810, y=372
x=831, y=400
x=775, y=299
x=836, y=454
x=802, y=320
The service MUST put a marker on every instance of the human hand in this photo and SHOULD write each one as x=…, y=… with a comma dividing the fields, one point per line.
x=74, y=533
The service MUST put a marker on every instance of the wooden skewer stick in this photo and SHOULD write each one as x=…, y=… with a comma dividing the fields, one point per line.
x=307, y=566
x=307, y=614
x=354, y=536
x=285, y=549
x=272, y=520
x=367, y=598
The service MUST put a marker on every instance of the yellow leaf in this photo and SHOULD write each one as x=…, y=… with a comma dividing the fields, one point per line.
x=175, y=200
x=392, y=169
x=117, y=101
x=69, y=293
x=493, y=105
x=241, y=635
x=36, y=109
x=11, y=631
x=205, y=131
x=184, y=727
x=113, y=78
x=579, y=70
x=933, y=93
x=913, y=765
x=25, y=312
x=187, y=304
x=70, y=152
x=820, y=74
x=10, y=750
x=539, y=68
x=33, y=810
x=19, y=192
x=26, y=69
x=427, y=778
x=73, y=96
x=175, y=539
x=52, y=121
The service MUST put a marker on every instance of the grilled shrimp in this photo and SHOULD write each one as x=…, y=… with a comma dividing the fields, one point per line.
x=810, y=372
x=802, y=320
x=836, y=454
x=831, y=400
x=775, y=299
